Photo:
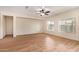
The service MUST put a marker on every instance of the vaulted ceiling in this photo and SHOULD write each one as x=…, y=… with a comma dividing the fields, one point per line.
x=31, y=10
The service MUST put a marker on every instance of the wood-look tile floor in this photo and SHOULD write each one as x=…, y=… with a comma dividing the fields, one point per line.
x=38, y=43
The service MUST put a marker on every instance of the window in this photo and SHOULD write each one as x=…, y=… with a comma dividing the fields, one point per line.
x=67, y=25
x=61, y=26
x=50, y=25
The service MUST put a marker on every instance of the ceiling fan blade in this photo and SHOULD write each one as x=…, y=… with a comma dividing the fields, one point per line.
x=47, y=12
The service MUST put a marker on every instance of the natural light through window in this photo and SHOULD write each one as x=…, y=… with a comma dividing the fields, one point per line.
x=50, y=26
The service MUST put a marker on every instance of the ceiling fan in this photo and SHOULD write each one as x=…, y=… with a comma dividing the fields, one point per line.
x=43, y=11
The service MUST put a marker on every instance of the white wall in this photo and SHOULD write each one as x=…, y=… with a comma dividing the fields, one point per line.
x=65, y=15
x=27, y=26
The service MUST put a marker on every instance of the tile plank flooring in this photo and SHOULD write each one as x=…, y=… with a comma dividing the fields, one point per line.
x=38, y=43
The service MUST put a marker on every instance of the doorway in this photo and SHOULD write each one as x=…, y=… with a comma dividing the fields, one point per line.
x=7, y=26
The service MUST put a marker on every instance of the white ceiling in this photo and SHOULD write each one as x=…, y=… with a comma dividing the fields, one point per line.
x=31, y=10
